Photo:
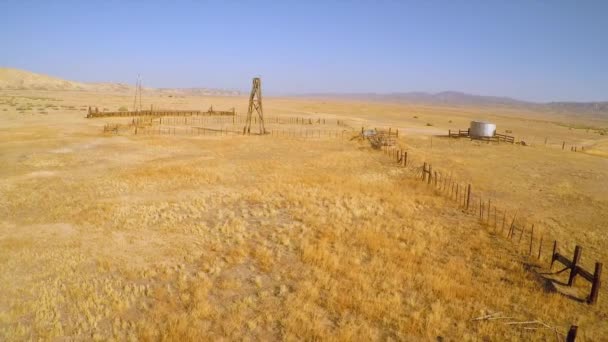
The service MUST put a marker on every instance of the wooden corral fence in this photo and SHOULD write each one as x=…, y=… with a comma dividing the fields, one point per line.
x=458, y=134
x=529, y=140
x=496, y=138
x=513, y=226
x=505, y=138
x=576, y=270
x=184, y=131
x=234, y=119
x=95, y=113
x=225, y=131
x=501, y=222
x=116, y=128
x=380, y=137
x=179, y=125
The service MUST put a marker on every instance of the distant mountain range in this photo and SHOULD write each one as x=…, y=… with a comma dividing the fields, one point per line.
x=464, y=99
x=15, y=79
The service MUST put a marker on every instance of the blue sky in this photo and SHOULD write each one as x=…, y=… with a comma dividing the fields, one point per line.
x=528, y=49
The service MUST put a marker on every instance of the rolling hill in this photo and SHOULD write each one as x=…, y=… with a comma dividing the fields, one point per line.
x=15, y=79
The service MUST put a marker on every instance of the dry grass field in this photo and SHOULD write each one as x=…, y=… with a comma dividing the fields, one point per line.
x=142, y=237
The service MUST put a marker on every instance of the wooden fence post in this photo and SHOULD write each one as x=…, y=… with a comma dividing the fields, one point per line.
x=489, y=206
x=430, y=174
x=424, y=172
x=405, y=159
x=595, y=287
x=540, y=246
x=523, y=229
x=554, y=252
x=572, y=334
x=575, y=260
x=531, y=240
x=468, y=196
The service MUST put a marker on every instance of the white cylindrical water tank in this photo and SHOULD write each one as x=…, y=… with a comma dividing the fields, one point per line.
x=482, y=129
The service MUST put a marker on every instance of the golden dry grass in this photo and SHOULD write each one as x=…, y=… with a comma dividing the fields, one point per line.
x=200, y=238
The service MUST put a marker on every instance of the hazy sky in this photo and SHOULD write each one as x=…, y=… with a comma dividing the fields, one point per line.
x=528, y=49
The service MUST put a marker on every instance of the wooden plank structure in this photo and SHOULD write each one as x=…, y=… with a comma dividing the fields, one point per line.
x=576, y=270
x=380, y=137
x=95, y=113
x=458, y=134
x=255, y=104
x=496, y=138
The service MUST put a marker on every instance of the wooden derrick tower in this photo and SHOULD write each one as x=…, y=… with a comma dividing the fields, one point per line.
x=255, y=103
x=137, y=95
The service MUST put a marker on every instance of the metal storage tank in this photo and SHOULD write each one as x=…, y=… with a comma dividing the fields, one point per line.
x=482, y=129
